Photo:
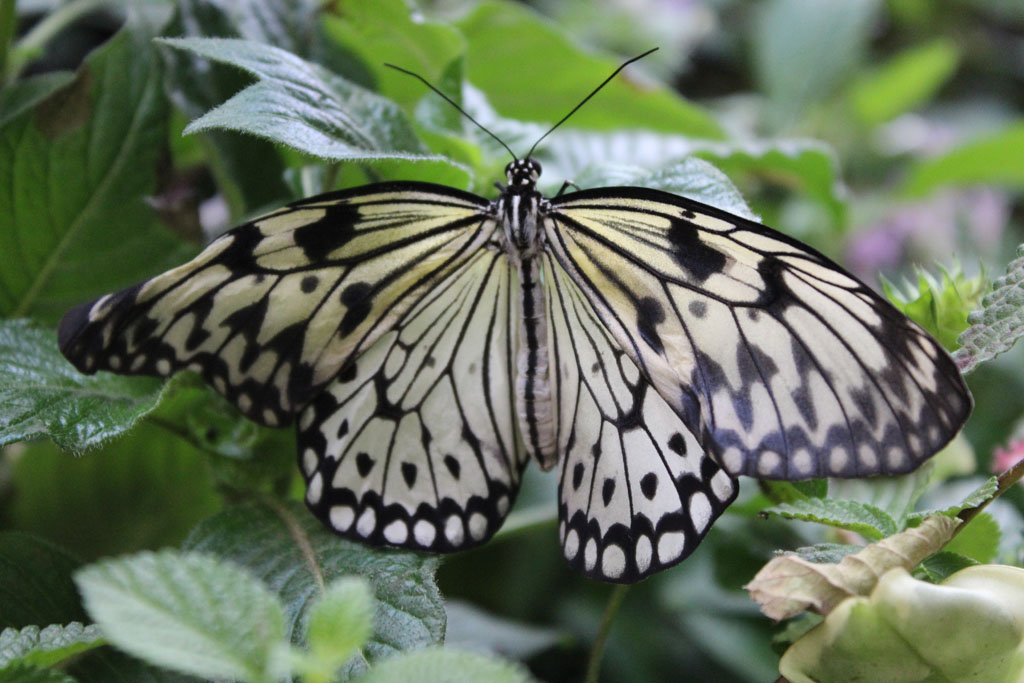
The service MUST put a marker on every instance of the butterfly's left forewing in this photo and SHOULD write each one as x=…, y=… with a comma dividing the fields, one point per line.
x=782, y=363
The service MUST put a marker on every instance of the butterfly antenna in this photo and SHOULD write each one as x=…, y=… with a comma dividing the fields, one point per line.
x=595, y=91
x=457, y=107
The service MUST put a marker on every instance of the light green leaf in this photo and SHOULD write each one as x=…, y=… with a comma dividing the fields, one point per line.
x=48, y=646
x=384, y=31
x=867, y=520
x=35, y=583
x=905, y=82
x=340, y=623
x=940, y=306
x=292, y=552
x=896, y=495
x=803, y=49
x=74, y=173
x=789, y=491
x=991, y=160
x=434, y=665
x=187, y=612
x=999, y=323
x=967, y=629
x=976, y=498
x=42, y=394
x=691, y=177
x=978, y=539
x=551, y=76
x=302, y=105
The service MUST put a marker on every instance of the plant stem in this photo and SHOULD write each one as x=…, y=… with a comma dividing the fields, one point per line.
x=596, y=652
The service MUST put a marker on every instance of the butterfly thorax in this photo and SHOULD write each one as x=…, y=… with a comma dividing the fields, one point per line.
x=518, y=208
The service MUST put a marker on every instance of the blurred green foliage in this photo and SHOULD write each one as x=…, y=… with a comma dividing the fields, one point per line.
x=887, y=133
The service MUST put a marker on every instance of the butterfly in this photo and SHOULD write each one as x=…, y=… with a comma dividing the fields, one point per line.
x=427, y=343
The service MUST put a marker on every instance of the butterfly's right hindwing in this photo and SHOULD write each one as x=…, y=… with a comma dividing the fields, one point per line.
x=271, y=311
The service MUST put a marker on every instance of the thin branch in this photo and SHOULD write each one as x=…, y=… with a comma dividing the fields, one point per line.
x=597, y=651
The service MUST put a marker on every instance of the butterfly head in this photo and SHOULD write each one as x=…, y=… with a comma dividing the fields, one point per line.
x=522, y=172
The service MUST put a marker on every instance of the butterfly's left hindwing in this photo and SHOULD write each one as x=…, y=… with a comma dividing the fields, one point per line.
x=414, y=443
x=785, y=365
x=271, y=311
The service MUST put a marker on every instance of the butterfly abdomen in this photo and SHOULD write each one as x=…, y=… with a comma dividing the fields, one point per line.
x=533, y=388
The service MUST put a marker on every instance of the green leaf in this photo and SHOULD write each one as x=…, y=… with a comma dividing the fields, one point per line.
x=187, y=612
x=692, y=177
x=939, y=306
x=248, y=170
x=46, y=647
x=340, y=623
x=999, y=323
x=384, y=31
x=978, y=540
x=42, y=394
x=551, y=76
x=991, y=160
x=827, y=553
x=145, y=490
x=789, y=491
x=23, y=95
x=803, y=49
x=967, y=629
x=24, y=673
x=941, y=566
x=74, y=173
x=435, y=665
x=302, y=105
x=867, y=520
x=974, y=499
x=35, y=583
x=906, y=81
x=292, y=552
x=896, y=495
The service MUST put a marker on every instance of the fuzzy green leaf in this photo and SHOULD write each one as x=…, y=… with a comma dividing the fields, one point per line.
x=999, y=323
x=552, y=75
x=904, y=82
x=42, y=394
x=305, y=106
x=867, y=520
x=292, y=552
x=434, y=665
x=74, y=173
x=991, y=160
x=974, y=499
x=693, y=177
x=187, y=612
x=47, y=646
x=340, y=623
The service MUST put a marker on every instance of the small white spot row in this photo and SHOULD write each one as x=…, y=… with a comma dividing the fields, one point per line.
x=612, y=557
x=397, y=532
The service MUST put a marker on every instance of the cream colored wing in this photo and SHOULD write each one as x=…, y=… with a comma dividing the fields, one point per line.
x=271, y=311
x=783, y=364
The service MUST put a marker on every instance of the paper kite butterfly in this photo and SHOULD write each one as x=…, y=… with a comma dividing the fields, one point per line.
x=428, y=342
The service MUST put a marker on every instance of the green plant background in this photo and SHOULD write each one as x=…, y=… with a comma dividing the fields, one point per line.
x=884, y=133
